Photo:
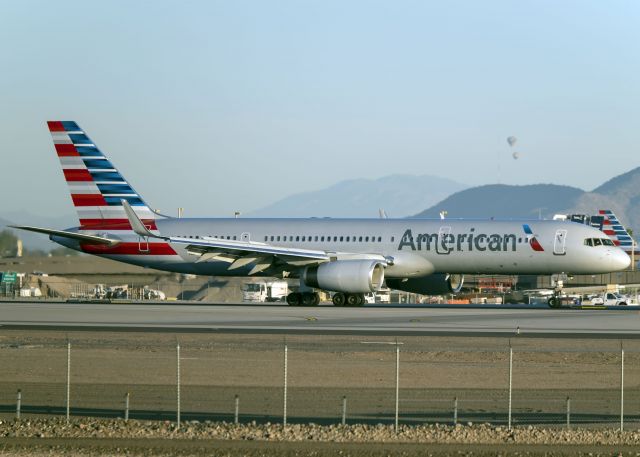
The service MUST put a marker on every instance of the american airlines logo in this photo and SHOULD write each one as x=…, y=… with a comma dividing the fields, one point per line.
x=444, y=242
x=535, y=245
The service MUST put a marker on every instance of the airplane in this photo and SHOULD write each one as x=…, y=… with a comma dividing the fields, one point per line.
x=349, y=257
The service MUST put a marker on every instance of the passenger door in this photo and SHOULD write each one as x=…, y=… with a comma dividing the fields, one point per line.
x=443, y=246
x=559, y=242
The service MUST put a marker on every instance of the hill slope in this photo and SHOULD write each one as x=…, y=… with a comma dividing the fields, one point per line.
x=398, y=195
x=504, y=201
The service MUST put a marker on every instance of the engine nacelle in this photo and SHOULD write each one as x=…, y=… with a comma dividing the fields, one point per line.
x=351, y=276
x=436, y=284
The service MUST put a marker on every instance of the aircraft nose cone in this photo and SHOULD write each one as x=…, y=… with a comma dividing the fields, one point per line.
x=620, y=260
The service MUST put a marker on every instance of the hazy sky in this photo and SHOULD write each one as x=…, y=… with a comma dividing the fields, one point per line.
x=218, y=106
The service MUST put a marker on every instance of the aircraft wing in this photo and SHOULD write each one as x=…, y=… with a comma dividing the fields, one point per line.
x=237, y=253
x=206, y=244
x=89, y=239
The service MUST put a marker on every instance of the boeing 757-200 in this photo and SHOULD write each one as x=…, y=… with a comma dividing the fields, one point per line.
x=350, y=257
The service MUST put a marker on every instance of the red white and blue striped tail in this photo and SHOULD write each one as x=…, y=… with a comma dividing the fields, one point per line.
x=97, y=188
x=616, y=231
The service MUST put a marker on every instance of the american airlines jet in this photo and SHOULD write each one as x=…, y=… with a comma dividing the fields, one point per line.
x=350, y=257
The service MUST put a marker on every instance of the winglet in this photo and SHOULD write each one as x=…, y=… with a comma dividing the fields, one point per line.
x=136, y=223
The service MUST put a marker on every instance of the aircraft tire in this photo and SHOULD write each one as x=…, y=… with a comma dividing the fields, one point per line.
x=294, y=299
x=339, y=299
x=554, y=302
x=309, y=299
x=316, y=299
x=360, y=300
x=352, y=299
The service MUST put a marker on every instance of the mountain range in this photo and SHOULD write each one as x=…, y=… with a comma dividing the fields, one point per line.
x=398, y=195
x=620, y=194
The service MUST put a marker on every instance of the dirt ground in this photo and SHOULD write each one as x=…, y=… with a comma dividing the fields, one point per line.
x=186, y=448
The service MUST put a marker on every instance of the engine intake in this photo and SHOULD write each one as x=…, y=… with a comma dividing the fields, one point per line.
x=436, y=284
x=351, y=276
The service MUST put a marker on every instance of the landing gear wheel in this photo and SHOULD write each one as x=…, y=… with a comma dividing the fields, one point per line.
x=294, y=299
x=360, y=300
x=554, y=302
x=339, y=299
x=354, y=300
x=309, y=299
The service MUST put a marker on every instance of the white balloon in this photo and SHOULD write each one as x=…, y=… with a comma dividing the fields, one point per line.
x=515, y=155
x=512, y=140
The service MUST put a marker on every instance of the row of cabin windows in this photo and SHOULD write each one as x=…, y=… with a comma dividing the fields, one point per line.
x=598, y=242
x=322, y=239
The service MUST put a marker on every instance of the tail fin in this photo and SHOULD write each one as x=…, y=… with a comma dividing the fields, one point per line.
x=616, y=231
x=97, y=188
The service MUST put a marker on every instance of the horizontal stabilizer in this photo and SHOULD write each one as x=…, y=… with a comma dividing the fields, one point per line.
x=89, y=239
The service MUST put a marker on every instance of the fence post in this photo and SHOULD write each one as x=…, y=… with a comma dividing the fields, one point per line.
x=621, y=388
x=510, y=381
x=178, y=383
x=397, y=385
x=126, y=407
x=568, y=413
x=455, y=411
x=236, y=413
x=344, y=410
x=18, y=404
x=284, y=405
x=68, y=399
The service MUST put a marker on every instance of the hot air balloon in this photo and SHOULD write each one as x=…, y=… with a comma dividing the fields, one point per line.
x=515, y=155
x=512, y=140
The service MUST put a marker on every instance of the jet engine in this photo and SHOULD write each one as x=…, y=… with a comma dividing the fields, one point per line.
x=350, y=276
x=435, y=284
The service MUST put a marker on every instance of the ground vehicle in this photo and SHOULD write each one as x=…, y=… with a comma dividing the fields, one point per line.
x=610, y=299
x=265, y=291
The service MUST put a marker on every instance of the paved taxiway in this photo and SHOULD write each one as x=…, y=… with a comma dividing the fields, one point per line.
x=454, y=320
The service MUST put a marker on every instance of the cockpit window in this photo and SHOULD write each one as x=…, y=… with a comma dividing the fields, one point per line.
x=607, y=242
x=588, y=242
x=597, y=241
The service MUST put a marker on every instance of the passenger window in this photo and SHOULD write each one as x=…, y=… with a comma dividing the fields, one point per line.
x=298, y=238
x=322, y=238
x=266, y=238
x=335, y=238
x=366, y=239
x=360, y=239
x=393, y=238
x=348, y=239
x=341, y=238
x=234, y=237
x=271, y=237
x=278, y=239
x=315, y=238
x=379, y=239
x=303, y=238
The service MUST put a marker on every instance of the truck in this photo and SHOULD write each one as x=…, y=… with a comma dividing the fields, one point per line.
x=263, y=291
x=609, y=299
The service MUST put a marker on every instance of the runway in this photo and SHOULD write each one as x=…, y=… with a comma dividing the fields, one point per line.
x=387, y=320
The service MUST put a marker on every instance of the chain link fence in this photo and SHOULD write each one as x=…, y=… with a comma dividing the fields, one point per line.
x=328, y=379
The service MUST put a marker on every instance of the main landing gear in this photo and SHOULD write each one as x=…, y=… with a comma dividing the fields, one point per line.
x=343, y=299
x=303, y=299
